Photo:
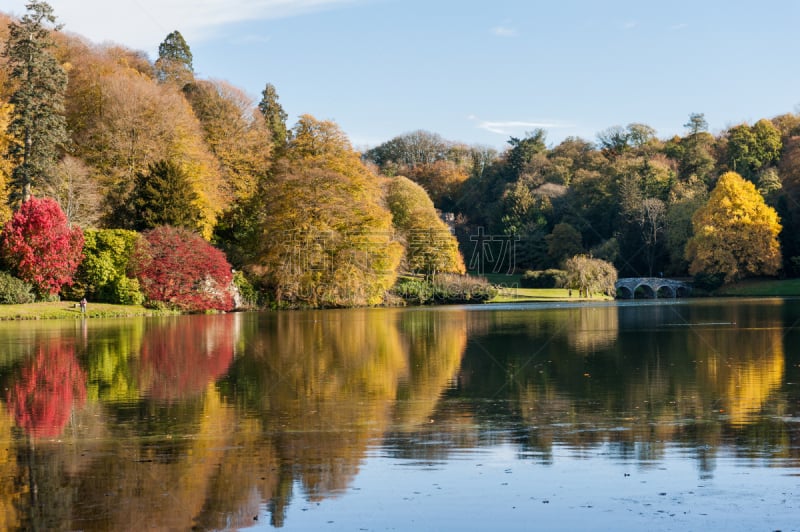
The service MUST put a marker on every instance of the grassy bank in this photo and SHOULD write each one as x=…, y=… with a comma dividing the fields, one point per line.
x=761, y=288
x=71, y=310
x=523, y=295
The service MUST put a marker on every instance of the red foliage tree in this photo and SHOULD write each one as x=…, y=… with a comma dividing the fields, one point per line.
x=40, y=246
x=180, y=269
x=47, y=390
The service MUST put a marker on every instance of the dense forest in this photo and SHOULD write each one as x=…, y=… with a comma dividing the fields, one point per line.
x=125, y=145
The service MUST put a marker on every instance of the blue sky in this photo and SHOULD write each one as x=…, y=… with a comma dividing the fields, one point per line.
x=478, y=71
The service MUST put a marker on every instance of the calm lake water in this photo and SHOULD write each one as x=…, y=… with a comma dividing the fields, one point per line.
x=675, y=415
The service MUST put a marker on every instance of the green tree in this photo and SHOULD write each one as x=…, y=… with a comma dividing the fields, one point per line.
x=524, y=150
x=37, y=125
x=752, y=148
x=735, y=232
x=694, y=152
x=274, y=115
x=617, y=140
x=564, y=242
x=163, y=196
x=684, y=200
x=430, y=247
x=174, y=63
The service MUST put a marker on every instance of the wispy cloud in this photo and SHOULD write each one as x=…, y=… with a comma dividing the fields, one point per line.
x=510, y=127
x=504, y=31
x=251, y=39
x=143, y=24
x=681, y=26
x=629, y=25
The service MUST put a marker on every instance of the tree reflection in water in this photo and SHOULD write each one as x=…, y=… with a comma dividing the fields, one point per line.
x=208, y=421
x=47, y=390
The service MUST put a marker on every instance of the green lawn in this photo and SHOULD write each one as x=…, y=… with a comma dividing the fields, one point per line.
x=761, y=287
x=70, y=309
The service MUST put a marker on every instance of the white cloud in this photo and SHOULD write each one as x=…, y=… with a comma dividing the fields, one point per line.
x=510, y=127
x=681, y=26
x=504, y=31
x=143, y=24
x=629, y=25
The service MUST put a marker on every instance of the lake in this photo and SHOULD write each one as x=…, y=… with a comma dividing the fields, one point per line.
x=665, y=415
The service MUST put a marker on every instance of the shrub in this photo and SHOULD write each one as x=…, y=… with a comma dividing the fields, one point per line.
x=179, y=269
x=543, y=279
x=15, y=291
x=445, y=289
x=246, y=295
x=708, y=281
x=103, y=273
x=416, y=291
x=451, y=288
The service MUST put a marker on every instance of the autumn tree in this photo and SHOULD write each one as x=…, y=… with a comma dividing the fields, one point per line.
x=37, y=125
x=163, y=196
x=76, y=191
x=40, y=247
x=236, y=133
x=322, y=236
x=408, y=151
x=174, y=63
x=735, y=232
x=177, y=268
x=430, y=246
x=123, y=122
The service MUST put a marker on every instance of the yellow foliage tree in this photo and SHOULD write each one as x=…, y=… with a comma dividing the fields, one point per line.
x=735, y=232
x=430, y=246
x=123, y=121
x=323, y=237
x=234, y=131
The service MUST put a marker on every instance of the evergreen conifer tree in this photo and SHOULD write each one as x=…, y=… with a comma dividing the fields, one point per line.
x=37, y=125
x=164, y=196
x=274, y=115
x=174, y=63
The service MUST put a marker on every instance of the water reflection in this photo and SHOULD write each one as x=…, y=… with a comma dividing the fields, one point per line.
x=212, y=421
x=47, y=389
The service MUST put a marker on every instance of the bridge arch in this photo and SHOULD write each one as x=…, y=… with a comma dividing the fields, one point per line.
x=651, y=288
x=645, y=291
x=623, y=292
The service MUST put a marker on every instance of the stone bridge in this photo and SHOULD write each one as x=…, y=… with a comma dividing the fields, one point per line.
x=651, y=288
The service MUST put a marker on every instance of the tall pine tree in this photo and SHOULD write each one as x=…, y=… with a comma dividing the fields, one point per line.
x=174, y=63
x=37, y=124
x=275, y=116
x=163, y=196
